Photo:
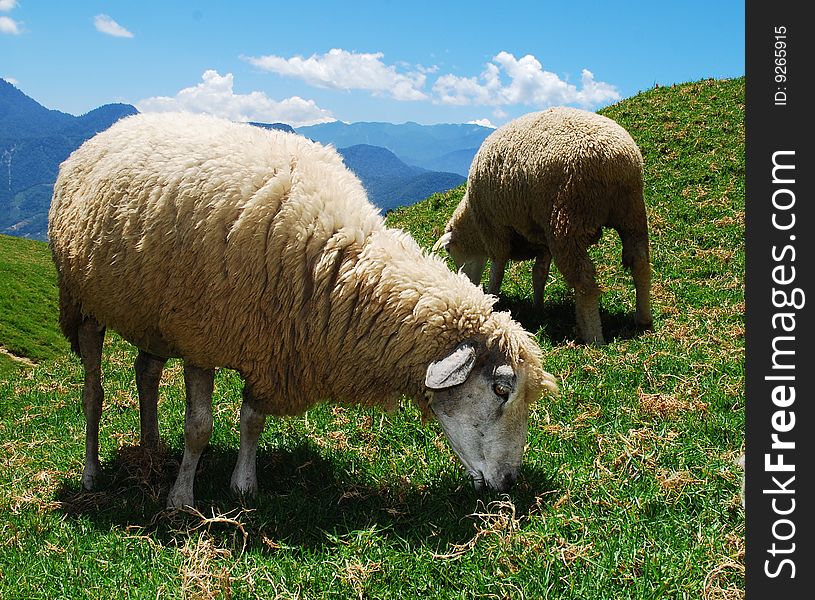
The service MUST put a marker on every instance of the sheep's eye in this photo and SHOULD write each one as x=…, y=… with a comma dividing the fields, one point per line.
x=501, y=390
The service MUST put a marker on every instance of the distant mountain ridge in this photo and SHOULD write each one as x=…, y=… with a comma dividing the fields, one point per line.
x=445, y=147
x=24, y=117
x=274, y=126
x=34, y=140
x=392, y=182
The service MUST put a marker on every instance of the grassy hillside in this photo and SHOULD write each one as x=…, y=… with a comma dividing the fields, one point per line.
x=28, y=303
x=629, y=489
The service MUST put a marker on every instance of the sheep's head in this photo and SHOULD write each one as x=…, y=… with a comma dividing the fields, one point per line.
x=481, y=403
x=463, y=243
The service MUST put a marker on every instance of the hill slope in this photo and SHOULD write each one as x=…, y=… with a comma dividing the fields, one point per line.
x=629, y=488
x=28, y=303
x=651, y=424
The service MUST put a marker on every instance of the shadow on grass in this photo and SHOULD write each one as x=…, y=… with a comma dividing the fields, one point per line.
x=306, y=501
x=557, y=321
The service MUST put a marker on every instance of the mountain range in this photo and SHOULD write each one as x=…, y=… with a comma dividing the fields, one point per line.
x=390, y=182
x=398, y=164
x=447, y=147
x=33, y=142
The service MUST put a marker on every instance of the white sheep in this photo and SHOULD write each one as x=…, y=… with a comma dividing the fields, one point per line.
x=233, y=246
x=543, y=186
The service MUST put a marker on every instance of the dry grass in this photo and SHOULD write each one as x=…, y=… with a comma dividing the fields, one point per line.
x=497, y=521
x=725, y=581
x=631, y=453
x=202, y=578
x=211, y=547
x=36, y=494
x=674, y=482
x=356, y=573
x=666, y=406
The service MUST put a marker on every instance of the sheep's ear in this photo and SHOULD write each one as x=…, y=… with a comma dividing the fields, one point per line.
x=442, y=242
x=453, y=369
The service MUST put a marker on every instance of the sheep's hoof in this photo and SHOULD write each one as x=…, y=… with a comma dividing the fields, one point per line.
x=179, y=499
x=150, y=441
x=91, y=476
x=245, y=489
x=594, y=339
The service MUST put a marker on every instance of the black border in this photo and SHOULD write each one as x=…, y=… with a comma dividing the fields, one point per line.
x=770, y=127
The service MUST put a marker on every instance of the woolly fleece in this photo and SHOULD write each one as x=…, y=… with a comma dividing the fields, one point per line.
x=234, y=246
x=550, y=181
x=550, y=176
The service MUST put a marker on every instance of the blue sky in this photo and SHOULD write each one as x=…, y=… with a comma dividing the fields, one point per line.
x=305, y=62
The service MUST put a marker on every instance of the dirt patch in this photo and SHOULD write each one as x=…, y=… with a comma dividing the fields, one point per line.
x=20, y=359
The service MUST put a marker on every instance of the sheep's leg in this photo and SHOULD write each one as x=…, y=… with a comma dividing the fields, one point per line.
x=636, y=259
x=540, y=273
x=497, y=268
x=244, y=478
x=197, y=431
x=587, y=310
x=641, y=272
x=574, y=263
x=148, y=375
x=91, y=336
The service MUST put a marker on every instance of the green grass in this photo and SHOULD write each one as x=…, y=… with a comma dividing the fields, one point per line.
x=628, y=489
x=28, y=304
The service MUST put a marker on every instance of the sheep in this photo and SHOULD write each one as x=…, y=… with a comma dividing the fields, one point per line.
x=543, y=186
x=233, y=246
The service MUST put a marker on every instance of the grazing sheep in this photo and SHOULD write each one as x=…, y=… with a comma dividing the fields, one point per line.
x=233, y=246
x=543, y=186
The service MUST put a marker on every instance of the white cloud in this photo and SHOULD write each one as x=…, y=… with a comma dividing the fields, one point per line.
x=343, y=70
x=483, y=122
x=9, y=26
x=505, y=80
x=7, y=5
x=528, y=83
x=215, y=95
x=595, y=92
x=106, y=24
x=452, y=89
x=11, y=80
